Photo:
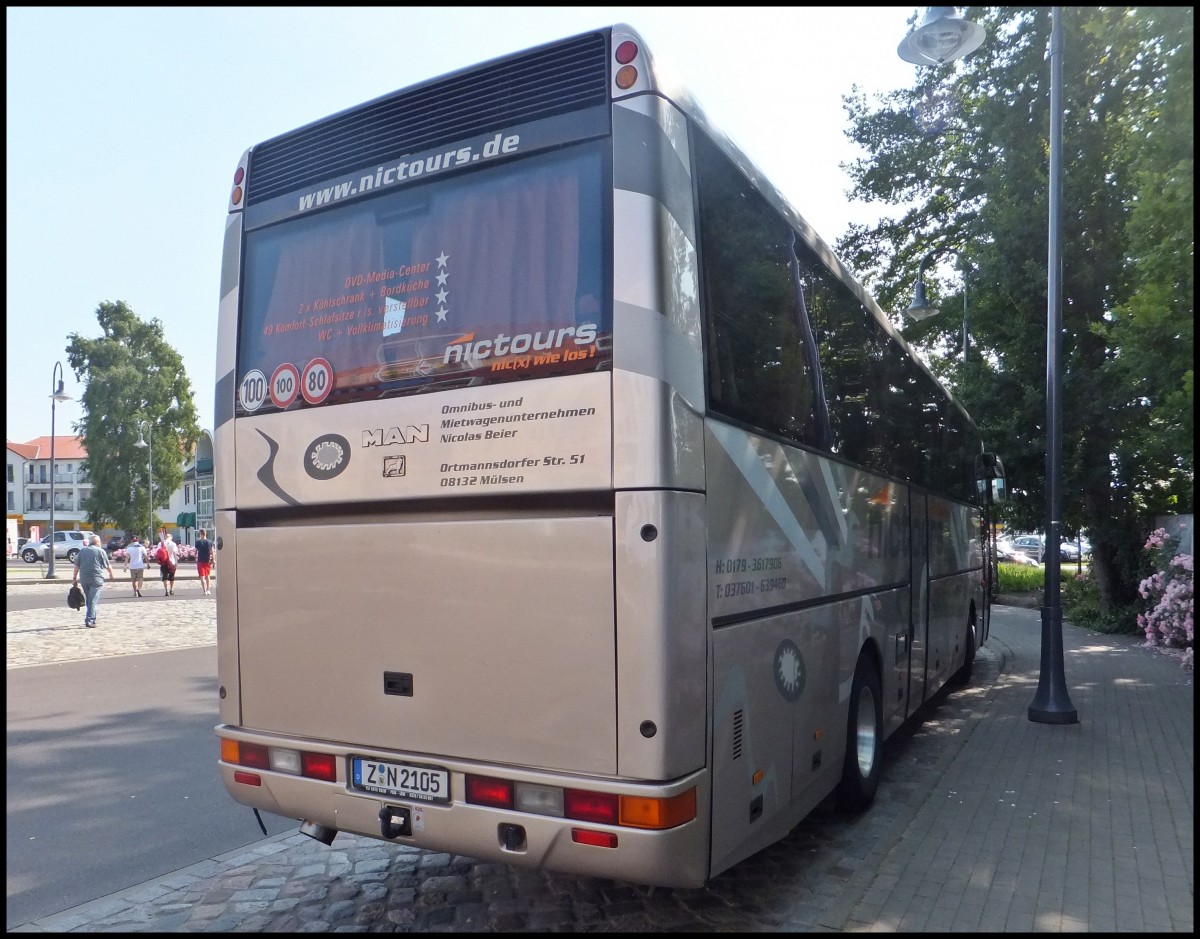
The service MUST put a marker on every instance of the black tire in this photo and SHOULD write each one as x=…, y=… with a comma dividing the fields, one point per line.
x=962, y=677
x=72, y=555
x=864, y=739
x=29, y=556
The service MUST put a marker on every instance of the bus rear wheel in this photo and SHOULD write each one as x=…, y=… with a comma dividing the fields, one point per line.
x=864, y=739
x=962, y=677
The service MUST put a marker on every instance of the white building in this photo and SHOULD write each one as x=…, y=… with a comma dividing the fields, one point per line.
x=29, y=473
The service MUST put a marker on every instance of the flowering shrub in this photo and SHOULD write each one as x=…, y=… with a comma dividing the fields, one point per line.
x=186, y=552
x=1169, y=619
x=120, y=556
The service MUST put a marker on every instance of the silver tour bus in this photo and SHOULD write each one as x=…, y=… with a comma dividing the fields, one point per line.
x=576, y=507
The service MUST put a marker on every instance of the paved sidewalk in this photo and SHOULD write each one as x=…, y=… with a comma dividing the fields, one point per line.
x=985, y=821
x=1035, y=827
x=57, y=634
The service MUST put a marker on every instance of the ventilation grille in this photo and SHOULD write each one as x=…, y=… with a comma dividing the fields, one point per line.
x=737, y=733
x=542, y=83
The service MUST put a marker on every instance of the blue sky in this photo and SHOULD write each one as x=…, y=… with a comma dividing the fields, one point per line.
x=125, y=125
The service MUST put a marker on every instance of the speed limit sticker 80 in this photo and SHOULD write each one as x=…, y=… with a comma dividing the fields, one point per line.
x=317, y=381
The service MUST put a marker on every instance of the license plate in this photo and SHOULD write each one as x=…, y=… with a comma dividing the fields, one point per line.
x=425, y=783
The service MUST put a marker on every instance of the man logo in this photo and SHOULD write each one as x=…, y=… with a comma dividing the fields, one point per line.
x=327, y=456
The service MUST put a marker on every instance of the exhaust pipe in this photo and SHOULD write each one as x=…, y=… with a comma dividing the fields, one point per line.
x=319, y=832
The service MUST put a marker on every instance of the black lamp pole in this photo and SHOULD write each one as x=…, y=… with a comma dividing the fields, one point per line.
x=1052, y=703
x=943, y=37
x=56, y=394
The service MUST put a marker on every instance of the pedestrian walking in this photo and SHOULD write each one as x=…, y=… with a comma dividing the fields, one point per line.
x=91, y=569
x=204, y=560
x=135, y=564
x=166, y=553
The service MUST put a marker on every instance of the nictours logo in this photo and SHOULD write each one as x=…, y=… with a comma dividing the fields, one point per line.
x=425, y=164
x=470, y=350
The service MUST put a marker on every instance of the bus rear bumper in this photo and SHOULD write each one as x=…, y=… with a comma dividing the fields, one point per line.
x=675, y=857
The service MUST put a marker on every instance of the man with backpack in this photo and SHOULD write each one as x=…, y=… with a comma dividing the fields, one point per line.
x=166, y=553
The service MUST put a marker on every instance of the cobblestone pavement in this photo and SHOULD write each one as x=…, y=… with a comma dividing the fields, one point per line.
x=984, y=821
x=39, y=637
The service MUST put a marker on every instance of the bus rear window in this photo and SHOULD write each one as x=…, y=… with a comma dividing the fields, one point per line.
x=496, y=275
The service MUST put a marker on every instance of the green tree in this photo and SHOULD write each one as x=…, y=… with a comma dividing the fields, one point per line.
x=965, y=151
x=131, y=374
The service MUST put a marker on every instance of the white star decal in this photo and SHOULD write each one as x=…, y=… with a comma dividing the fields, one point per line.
x=441, y=315
x=441, y=279
x=442, y=259
x=441, y=295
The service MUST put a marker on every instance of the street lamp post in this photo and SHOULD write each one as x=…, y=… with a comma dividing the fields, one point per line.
x=1052, y=703
x=56, y=394
x=940, y=38
x=921, y=308
x=149, y=447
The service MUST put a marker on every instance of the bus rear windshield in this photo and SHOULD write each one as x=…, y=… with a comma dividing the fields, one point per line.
x=497, y=275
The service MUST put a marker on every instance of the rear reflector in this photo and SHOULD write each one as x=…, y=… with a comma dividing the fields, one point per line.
x=599, y=839
x=250, y=779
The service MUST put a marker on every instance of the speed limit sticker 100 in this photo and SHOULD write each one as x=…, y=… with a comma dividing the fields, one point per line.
x=285, y=385
x=252, y=391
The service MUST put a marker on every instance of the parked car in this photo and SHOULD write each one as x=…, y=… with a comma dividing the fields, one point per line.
x=1005, y=551
x=1031, y=545
x=115, y=543
x=66, y=545
x=1074, y=548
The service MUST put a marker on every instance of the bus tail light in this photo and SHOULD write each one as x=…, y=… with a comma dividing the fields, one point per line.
x=627, y=74
x=626, y=77
x=483, y=790
x=540, y=800
x=235, y=196
x=600, y=807
x=318, y=766
x=638, y=812
x=322, y=766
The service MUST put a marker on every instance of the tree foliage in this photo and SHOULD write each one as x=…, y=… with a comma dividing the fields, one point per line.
x=131, y=374
x=965, y=152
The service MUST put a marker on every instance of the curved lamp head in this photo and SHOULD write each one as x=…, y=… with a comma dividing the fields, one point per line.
x=940, y=38
x=141, y=441
x=920, y=308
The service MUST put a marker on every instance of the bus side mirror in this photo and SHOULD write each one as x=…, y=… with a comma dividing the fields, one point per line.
x=989, y=477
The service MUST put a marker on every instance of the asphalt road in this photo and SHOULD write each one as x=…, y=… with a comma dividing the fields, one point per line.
x=111, y=776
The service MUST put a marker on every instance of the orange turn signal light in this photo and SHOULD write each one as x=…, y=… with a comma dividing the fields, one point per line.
x=638, y=812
